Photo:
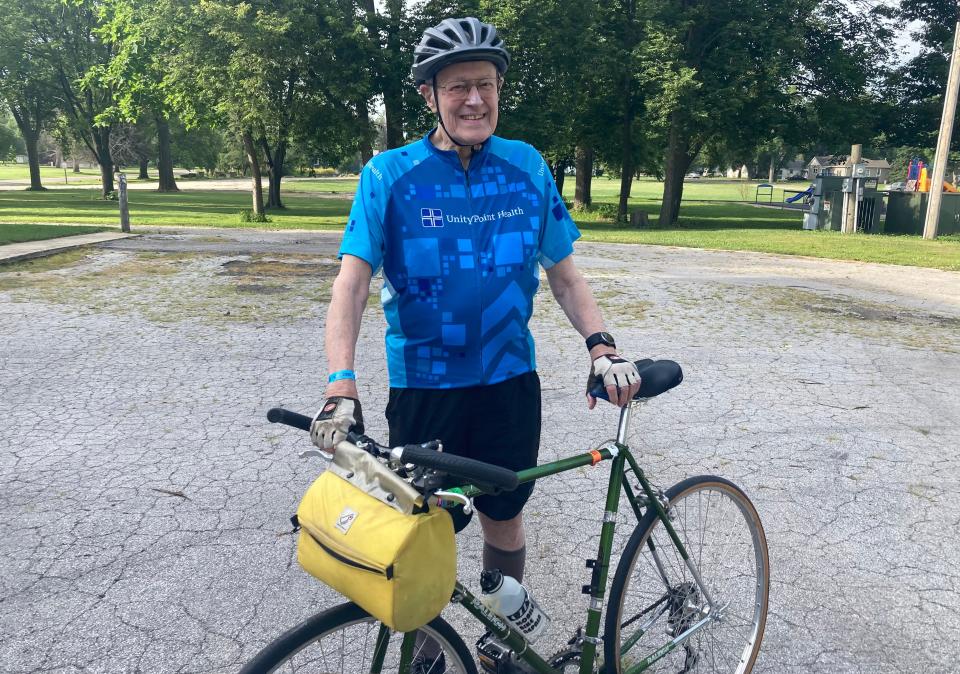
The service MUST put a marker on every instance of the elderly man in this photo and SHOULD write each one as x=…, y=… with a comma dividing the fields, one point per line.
x=460, y=222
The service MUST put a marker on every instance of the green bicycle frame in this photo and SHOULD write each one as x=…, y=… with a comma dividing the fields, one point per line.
x=623, y=463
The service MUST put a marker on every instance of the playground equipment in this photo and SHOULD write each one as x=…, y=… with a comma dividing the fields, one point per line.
x=763, y=190
x=798, y=195
x=906, y=210
x=918, y=178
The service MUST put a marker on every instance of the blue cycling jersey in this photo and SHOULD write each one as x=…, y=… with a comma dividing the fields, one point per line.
x=460, y=253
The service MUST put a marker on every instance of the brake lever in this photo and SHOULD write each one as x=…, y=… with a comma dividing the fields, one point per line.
x=308, y=453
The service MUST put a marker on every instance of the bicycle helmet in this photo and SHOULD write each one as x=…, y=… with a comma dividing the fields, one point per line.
x=455, y=41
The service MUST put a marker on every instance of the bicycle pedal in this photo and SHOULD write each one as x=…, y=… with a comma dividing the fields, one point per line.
x=497, y=658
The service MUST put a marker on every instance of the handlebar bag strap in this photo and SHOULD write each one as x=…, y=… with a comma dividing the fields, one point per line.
x=398, y=566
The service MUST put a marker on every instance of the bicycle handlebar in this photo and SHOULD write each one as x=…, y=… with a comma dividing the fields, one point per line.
x=425, y=455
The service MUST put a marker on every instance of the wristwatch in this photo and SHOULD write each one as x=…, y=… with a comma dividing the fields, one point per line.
x=600, y=338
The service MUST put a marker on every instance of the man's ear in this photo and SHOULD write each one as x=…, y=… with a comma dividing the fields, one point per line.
x=427, y=92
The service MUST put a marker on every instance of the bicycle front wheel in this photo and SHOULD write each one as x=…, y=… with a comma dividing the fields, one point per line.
x=659, y=617
x=347, y=639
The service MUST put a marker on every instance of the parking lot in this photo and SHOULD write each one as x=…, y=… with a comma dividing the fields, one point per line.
x=144, y=515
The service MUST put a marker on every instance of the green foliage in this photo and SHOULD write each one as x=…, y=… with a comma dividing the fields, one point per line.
x=10, y=143
x=248, y=216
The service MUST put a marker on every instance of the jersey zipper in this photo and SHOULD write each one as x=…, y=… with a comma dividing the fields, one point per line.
x=477, y=272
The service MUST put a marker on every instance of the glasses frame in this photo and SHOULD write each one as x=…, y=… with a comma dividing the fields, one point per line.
x=470, y=86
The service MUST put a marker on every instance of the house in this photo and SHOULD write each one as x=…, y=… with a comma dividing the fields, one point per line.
x=821, y=164
x=792, y=169
x=839, y=165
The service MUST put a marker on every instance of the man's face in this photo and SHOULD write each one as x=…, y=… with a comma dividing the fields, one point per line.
x=468, y=104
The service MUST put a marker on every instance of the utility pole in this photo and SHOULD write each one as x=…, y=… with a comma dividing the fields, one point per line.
x=943, y=141
x=849, y=222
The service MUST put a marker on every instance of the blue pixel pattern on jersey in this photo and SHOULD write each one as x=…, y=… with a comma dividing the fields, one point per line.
x=460, y=252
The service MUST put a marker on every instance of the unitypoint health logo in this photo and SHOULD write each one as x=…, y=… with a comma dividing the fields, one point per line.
x=431, y=217
x=486, y=217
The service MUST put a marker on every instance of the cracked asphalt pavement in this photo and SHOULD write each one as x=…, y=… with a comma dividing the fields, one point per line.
x=145, y=503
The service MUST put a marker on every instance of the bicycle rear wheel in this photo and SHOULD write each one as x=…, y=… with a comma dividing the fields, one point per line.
x=344, y=639
x=654, y=597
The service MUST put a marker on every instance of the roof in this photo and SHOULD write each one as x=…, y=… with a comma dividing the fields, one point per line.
x=841, y=160
x=825, y=160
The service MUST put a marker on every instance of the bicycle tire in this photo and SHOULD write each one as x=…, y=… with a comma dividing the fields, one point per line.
x=675, y=603
x=350, y=620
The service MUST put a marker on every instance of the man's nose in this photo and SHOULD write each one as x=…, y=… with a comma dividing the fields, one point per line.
x=473, y=96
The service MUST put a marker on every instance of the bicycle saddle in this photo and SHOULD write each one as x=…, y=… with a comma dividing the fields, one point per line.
x=656, y=377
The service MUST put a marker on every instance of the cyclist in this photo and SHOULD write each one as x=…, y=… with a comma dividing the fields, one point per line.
x=460, y=222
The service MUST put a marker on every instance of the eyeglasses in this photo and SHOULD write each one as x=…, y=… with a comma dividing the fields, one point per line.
x=460, y=89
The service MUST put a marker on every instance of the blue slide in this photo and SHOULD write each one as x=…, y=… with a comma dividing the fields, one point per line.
x=797, y=197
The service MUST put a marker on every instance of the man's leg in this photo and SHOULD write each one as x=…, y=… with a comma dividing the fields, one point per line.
x=504, y=545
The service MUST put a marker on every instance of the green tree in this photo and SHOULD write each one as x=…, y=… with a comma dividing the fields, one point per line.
x=136, y=75
x=65, y=33
x=730, y=67
x=916, y=88
x=28, y=84
x=269, y=71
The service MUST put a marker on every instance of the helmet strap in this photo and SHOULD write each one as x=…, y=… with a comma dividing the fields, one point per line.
x=436, y=100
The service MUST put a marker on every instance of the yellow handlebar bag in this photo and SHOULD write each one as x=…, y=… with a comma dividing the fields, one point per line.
x=363, y=534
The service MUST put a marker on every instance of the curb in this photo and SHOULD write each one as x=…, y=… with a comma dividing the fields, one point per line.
x=14, y=252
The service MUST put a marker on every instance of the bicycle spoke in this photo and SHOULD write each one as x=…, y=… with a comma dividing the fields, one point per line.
x=716, y=530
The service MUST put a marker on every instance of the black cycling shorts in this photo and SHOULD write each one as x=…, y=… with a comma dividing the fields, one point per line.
x=498, y=424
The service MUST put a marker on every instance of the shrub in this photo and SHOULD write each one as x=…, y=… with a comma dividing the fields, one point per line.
x=248, y=215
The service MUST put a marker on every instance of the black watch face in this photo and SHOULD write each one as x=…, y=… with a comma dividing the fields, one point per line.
x=607, y=338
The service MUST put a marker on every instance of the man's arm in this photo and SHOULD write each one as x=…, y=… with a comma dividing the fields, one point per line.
x=574, y=296
x=349, y=297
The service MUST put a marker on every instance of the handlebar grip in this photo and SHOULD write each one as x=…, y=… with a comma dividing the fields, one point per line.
x=477, y=471
x=278, y=415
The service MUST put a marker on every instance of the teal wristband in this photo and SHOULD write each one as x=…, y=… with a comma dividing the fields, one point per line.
x=341, y=374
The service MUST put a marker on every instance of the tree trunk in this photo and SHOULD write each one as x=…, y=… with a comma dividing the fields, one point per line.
x=773, y=167
x=559, y=174
x=165, y=158
x=626, y=157
x=257, y=181
x=144, y=165
x=676, y=163
x=392, y=86
x=33, y=158
x=76, y=165
x=584, y=159
x=626, y=182
x=101, y=140
x=276, y=175
x=366, y=148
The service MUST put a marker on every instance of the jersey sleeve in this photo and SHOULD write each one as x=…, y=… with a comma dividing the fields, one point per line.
x=364, y=234
x=559, y=231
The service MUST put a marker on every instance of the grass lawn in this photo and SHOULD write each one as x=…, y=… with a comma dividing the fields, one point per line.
x=186, y=209
x=49, y=175
x=707, y=189
x=21, y=233
x=716, y=225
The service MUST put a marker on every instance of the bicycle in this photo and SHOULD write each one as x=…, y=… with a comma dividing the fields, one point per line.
x=693, y=575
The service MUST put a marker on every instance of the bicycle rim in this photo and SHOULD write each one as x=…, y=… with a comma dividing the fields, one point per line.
x=655, y=598
x=343, y=640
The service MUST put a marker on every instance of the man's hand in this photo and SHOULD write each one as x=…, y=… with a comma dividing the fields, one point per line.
x=336, y=418
x=619, y=377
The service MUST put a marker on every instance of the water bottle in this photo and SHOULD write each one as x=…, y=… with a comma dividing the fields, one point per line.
x=508, y=598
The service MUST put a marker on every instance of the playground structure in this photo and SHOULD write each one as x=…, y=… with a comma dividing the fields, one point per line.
x=830, y=195
x=918, y=178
